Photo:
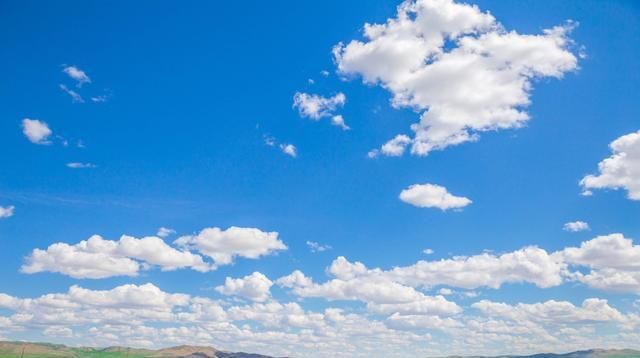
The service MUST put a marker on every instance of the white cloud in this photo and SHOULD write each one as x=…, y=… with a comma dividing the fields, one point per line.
x=427, y=251
x=98, y=258
x=432, y=196
x=621, y=170
x=483, y=83
x=316, y=107
x=75, y=96
x=289, y=149
x=557, y=312
x=77, y=74
x=381, y=295
x=614, y=262
x=165, y=231
x=338, y=121
x=6, y=211
x=445, y=291
x=36, y=131
x=575, y=226
x=256, y=287
x=396, y=146
x=317, y=247
x=224, y=245
x=78, y=165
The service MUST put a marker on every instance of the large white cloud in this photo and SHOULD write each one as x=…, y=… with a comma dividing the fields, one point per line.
x=457, y=66
x=36, y=131
x=621, y=170
x=614, y=262
x=557, y=312
x=432, y=196
x=224, y=245
x=99, y=258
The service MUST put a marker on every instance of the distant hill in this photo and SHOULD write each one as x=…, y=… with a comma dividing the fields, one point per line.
x=591, y=353
x=47, y=350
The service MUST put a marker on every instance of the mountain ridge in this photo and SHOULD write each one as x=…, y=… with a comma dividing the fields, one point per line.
x=15, y=349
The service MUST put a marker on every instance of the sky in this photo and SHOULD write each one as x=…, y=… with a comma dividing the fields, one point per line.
x=321, y=178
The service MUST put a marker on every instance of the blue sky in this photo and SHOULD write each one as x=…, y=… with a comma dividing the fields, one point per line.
x=186, y=113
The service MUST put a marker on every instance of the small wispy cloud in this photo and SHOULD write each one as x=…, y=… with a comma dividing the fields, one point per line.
x=75, y=96
x=289, y=149
x=99, y=99
x=77, y=74
x=315, y=107
x=77, y=165
x=6, y=211
x=286, y=148
x=576, y=226
x=317, y=247
x=165, y=231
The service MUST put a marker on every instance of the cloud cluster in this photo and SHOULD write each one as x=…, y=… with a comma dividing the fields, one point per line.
x=621, y=170
x=98, y=258
x=432, y=196
x=146, y=316
x=456, y=65
x=608, y=263
x=316, y=107
x=81, y=78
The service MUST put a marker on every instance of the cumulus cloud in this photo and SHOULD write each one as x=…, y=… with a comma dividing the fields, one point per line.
x=36, y=131
x=256, y=287
x=557, y=312
x=97, y=258
x=77, y=74
x=614, y=262
x=6, y=211
x=456, y=65
x=78, y=165
x=621, y=170
x=224, y=245
x=575, y=226
x=432, y=196
x=380, y=294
